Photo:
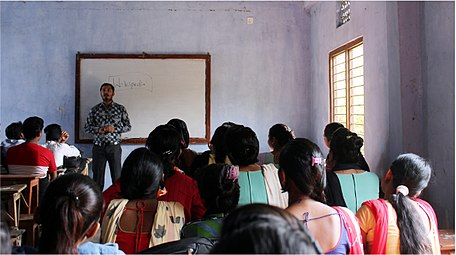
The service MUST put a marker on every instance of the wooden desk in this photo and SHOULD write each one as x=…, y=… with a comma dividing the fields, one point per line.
x=12, y=194
x=32, y=182
x=446, y=238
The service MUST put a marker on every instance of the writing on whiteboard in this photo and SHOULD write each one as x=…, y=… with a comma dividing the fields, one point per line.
x=128, y=81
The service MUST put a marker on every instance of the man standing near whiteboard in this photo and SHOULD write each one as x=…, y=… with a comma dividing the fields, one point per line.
x=107, y=121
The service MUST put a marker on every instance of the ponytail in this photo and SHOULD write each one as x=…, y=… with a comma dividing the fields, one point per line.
x=71, y=204
x=61, y=238
x=411, y=174
x=412, y=232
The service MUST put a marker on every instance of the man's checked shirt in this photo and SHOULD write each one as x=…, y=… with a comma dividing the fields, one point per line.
x=100, y=116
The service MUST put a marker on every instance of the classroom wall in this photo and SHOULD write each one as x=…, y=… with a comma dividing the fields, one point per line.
x=260, y=73
x=409, y=79
x=439, y=85
x=275, y=70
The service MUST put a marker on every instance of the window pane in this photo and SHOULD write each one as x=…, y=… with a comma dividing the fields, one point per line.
x=340, y=101
x=340, y=110
x=358, y=129
x=357, y=119
x=356, y=52
x=357, y=91
x=357, y=100
x=340, y=93
x=340, y=85
x=339, y=58
x=339, y=77
x=356, y=62
x=339, y=68
x=358, y=81
x=359, y=71
x=357, y=109
x=341, y=119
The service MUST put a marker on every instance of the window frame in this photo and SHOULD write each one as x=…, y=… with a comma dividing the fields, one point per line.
x=344, y=48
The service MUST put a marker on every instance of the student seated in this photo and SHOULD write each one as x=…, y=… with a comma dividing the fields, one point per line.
x=29, y=157
x=164, y=141
x=279, y=135
x=138, y=220
x=187, y=155
x=304, y=177
x=219, y=189
x=14, y=136
x=56, y=142
x=264, y=229
x=349, y=185
x=259, y=184
x=401, y=222
x=69, y=215
x=217, y=149
x=328, y=133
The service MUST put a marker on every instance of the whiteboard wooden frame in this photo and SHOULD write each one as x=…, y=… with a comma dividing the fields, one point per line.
x=83, y=103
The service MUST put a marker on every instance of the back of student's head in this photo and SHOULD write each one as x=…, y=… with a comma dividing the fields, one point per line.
x=219, y=188
x=14, y=130
x=413, y=172
x=141, y=174
x=71, y=204
x=330, y=129
x=242, y=145
x=181, y=127
x=218, y=141
x=53, y=132
x=302, y=162
x=262, y=228
x=164, y=141
x=281, y=133
x=346, y=146
x=32, y=127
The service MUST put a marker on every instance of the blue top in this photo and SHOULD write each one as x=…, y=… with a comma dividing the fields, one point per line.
x=97, y=248
x=252, y=188
x=343, y=245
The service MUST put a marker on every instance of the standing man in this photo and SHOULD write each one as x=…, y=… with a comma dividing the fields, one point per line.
x=106, y=121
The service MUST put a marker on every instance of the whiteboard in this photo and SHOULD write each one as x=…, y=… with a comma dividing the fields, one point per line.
x=153, y=88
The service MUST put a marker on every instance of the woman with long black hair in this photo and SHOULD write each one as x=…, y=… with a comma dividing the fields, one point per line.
x=401, y=222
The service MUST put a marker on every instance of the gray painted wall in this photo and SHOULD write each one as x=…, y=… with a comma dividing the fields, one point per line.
x=275, y=70
x=409, y=85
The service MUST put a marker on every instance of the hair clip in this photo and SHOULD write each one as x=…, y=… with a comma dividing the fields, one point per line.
x=72, y=195
x=168, y=152
x=348, y=137
x=316, y=161
x=232, y=173
x=402, y=189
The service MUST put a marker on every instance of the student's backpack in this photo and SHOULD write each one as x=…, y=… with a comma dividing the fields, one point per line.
x=190, y=245
x=74, y=164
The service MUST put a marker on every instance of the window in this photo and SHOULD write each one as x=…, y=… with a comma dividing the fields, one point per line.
x=347, y=86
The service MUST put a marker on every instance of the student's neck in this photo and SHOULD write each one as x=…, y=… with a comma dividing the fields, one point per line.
x=107, y=103
x=297, y=198
x=248, y=168
x=34, y=140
